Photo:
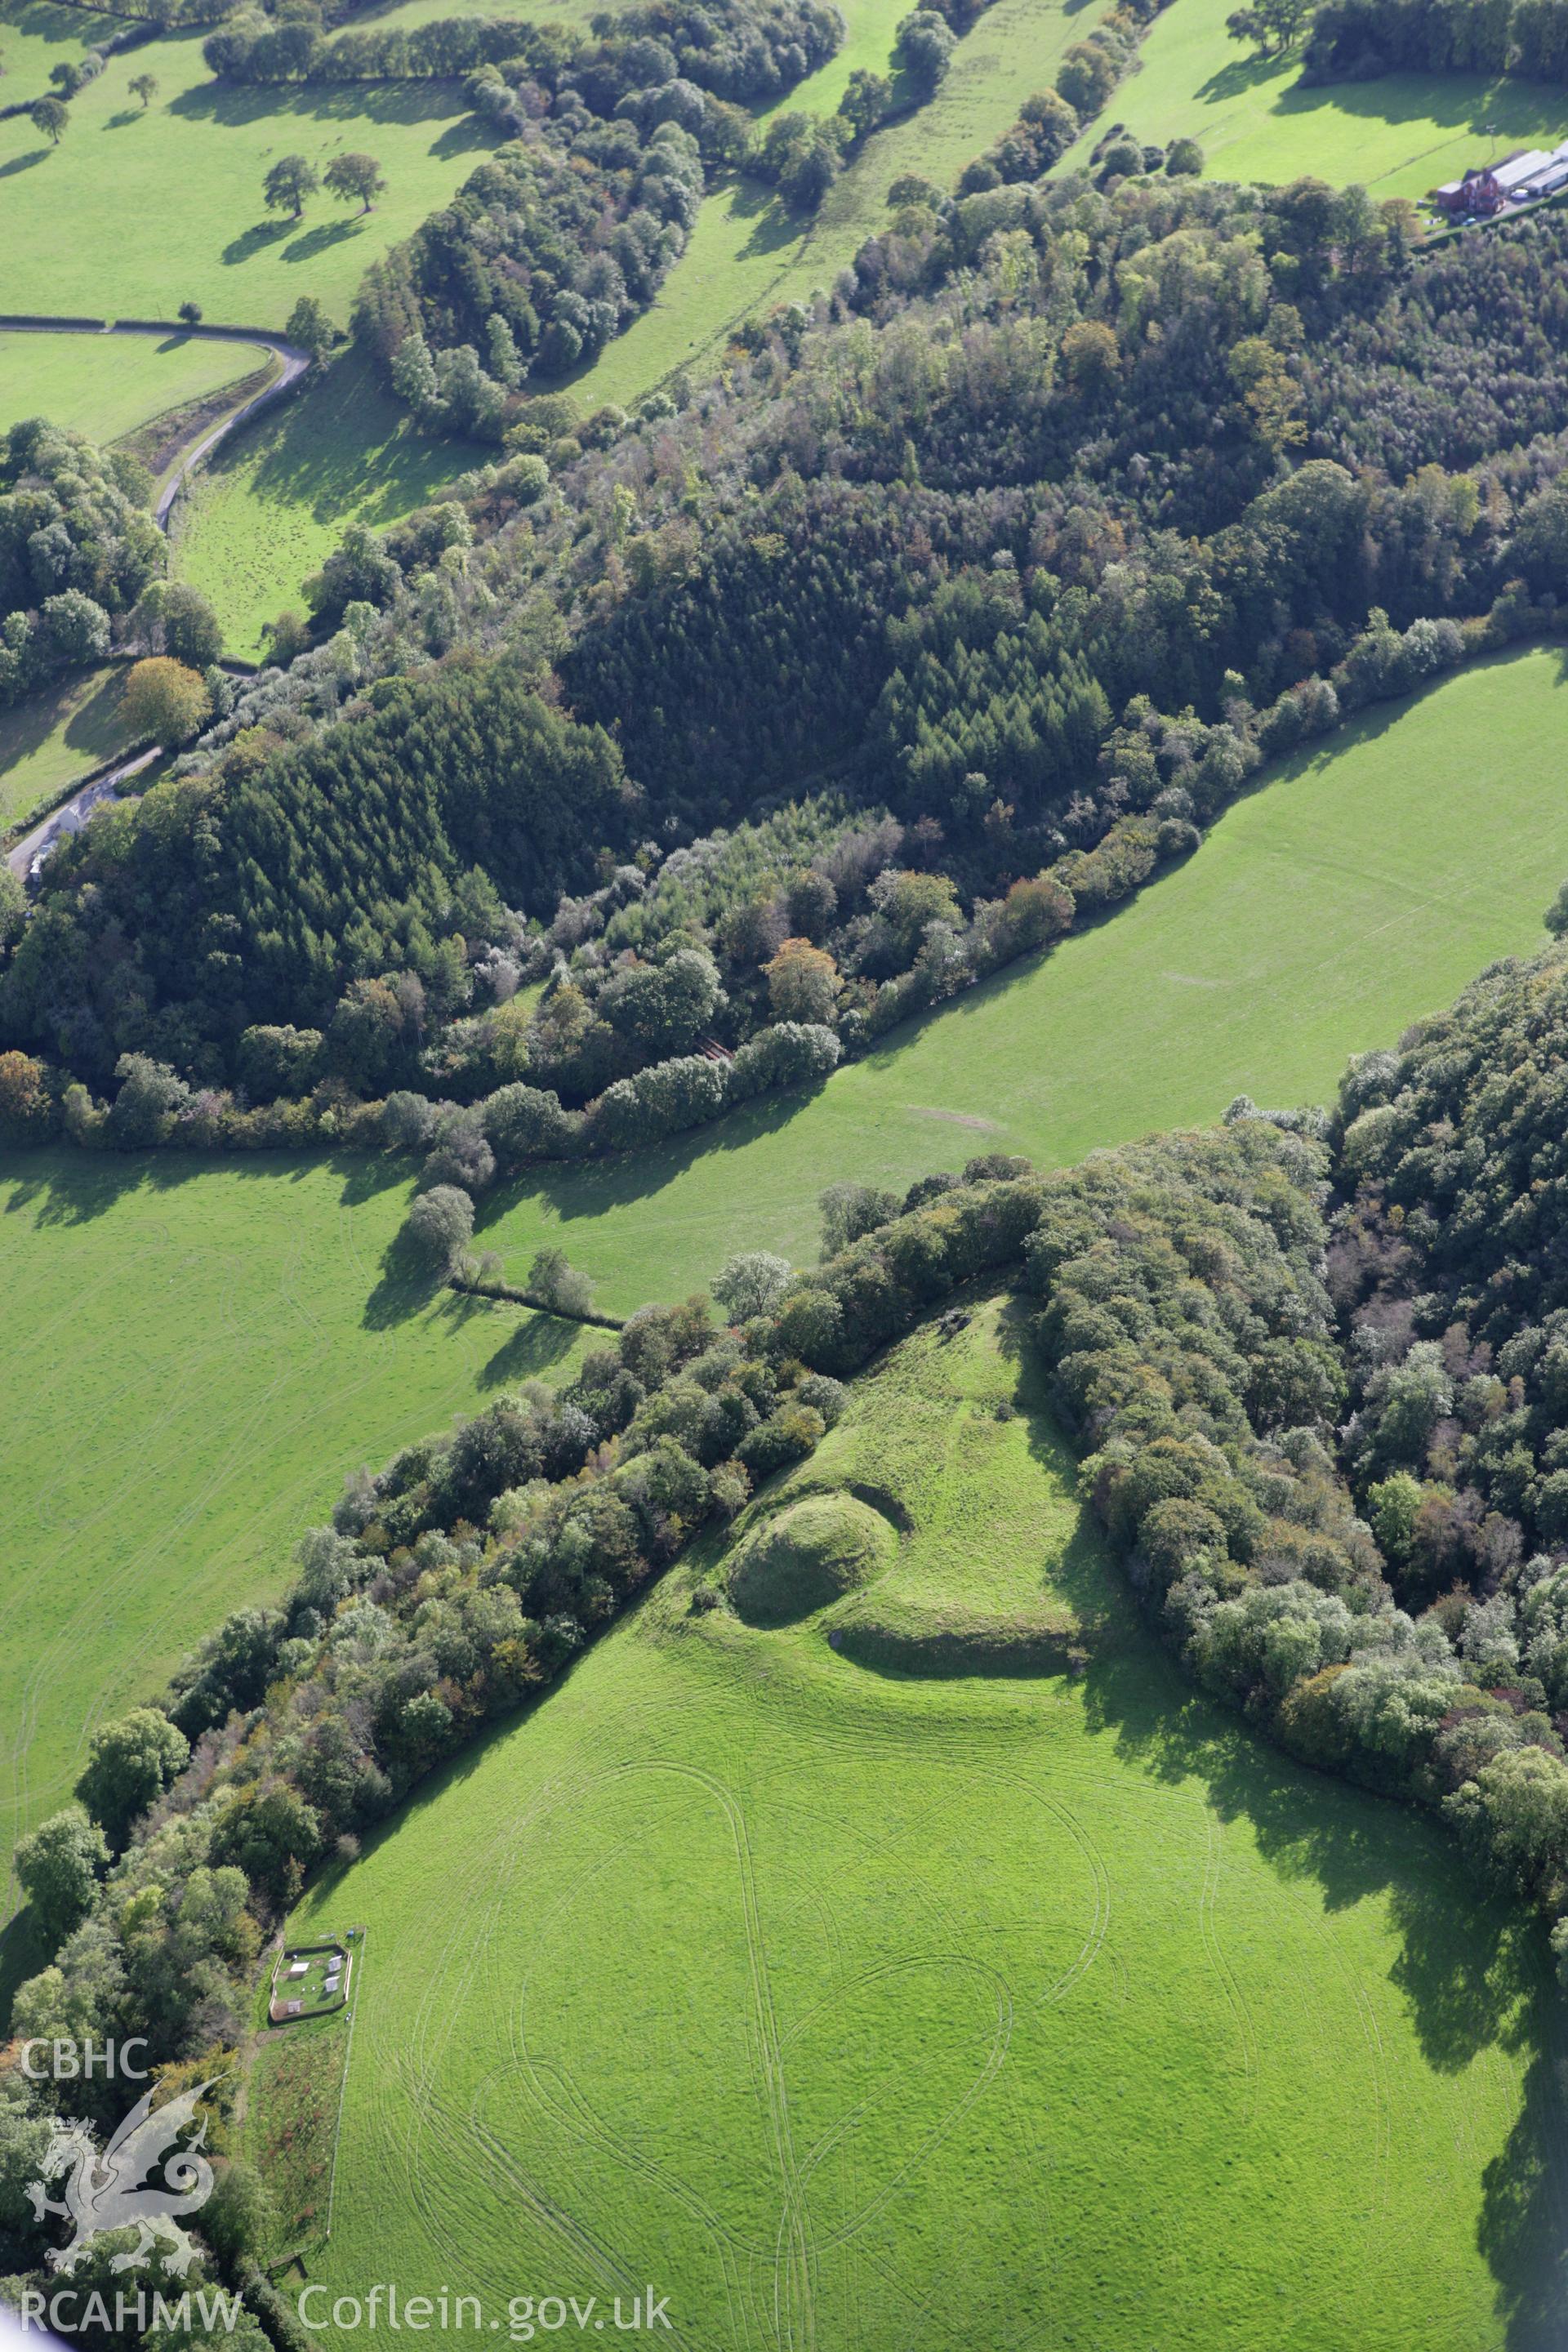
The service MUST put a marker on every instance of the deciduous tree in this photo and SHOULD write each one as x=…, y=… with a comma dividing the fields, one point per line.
x=49, y=115
x=291, y=180
x=354, y=179
x=164, y=699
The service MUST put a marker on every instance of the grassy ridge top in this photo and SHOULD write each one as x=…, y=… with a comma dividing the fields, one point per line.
x=1362, y=883
x=1178, y=2019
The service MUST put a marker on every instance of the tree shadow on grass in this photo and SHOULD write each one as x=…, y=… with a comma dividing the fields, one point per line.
x=528, y=1351
x=463, y=138
x=774, y=226
x=252, y=241
x=405, y=1290
x=23, y=163
x=1239, y=76
x=323, y=238
x=1510, y=110
x=342, y=447
x=92, y=727
x=66, y=1187
x=22, y=1955
x=409, y=102
x=578, y=1189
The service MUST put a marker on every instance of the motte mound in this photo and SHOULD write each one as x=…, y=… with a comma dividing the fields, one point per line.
x=810, y=1555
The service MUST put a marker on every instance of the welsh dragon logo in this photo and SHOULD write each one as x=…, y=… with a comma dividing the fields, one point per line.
x=116, y=2190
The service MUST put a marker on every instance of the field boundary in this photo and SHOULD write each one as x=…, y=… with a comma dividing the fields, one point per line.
x=475, y=1287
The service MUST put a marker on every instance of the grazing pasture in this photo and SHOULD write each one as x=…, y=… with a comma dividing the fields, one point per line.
x=36, y=34
x=985, y=2008
x=1399, y=135
x=1362, y=884
x=273, y=503
x=106, y=385
x=138, y=210
x=196, y=1354
x=65, y=731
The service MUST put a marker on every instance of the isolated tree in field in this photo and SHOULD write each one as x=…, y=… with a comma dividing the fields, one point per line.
x=164, y=699
x=144, y=86
x=354, y=179
x=49, y=115
x=189, y=314
x=130, y=1764
x=288, y=183
x=58, y=1867
x=309, y=327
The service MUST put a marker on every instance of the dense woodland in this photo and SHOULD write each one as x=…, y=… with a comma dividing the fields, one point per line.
x=1072, y=505
x=1356, y=39
x=76, y=549
x=564, y=233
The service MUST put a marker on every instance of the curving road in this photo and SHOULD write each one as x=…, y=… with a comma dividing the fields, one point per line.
x=72, y=814
x=291, y=363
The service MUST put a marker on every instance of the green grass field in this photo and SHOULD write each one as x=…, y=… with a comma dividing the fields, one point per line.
x=854, y=2011
x=1399, y=136
x=134, y=213
x=1362, y=885
x=62, y=732
x=106, y=385
x=273, y=504
x=195, y=1358
x=36, y=34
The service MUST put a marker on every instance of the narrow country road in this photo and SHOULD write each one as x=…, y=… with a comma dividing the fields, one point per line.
x=70, y=816
x=291, y=363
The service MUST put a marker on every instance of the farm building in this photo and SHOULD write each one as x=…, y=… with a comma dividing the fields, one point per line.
x=1484, y=192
